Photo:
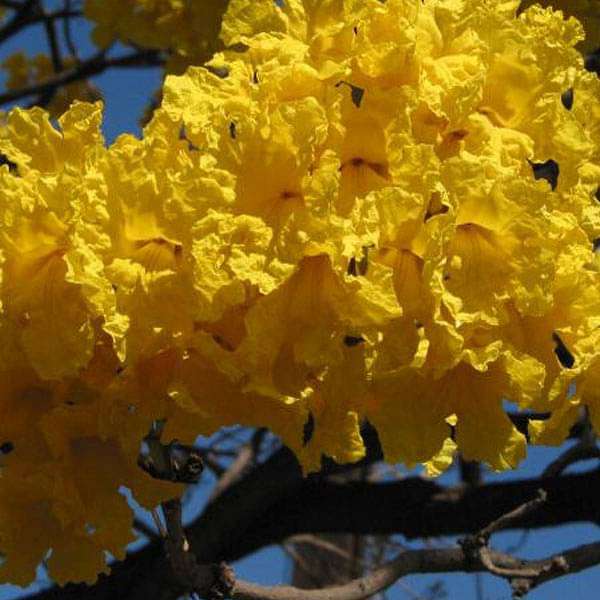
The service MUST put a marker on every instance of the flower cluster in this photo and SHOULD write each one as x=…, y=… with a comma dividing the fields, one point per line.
x=370, y=211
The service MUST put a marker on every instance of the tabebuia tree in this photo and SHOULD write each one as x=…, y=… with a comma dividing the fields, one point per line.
x=366, y=227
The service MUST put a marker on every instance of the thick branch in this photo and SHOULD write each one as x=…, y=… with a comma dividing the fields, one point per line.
x=413, y=507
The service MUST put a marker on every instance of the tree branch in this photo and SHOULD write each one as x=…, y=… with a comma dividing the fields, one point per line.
x=579, y=452
x=444, y=560
x=216, y=581
x=273, y=502
x=477, y=545
x=57, y=63
x=29, y=13
x=19, y=20
x=317, y=505
x=514, y=517
x=93, y=66
x=66, y=29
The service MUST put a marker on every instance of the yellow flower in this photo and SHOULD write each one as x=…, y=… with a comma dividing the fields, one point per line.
x=410, y=409
x=585, y=11
x=53, y=289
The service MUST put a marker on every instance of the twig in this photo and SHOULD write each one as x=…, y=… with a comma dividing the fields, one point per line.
x=158, y=523
x=571, y=561
x=477, y=545
x=514, y=516
x=319, y=542
x=358, y=589
x=486, y=558
x=54, y=15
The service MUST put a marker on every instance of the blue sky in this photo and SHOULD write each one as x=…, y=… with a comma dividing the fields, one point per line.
x=126, y=93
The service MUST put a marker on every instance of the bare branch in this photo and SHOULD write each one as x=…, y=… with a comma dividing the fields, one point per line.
x=445, y=560
x=55, y=54
x=578, y=452
x=281, y=505
x=485, y=555
x=66, y=29
x=514, y=516
x=477, y=545
x=93, y=66
x=572, y=561
x=216, y=581
x=57, y=63
x=28, y=14
x=319, y=542
x=162, y=532
x=21, y=18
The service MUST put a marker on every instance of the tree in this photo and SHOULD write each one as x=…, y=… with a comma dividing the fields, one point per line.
x=359, y=226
